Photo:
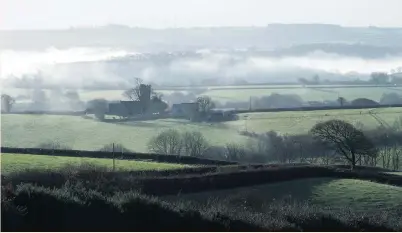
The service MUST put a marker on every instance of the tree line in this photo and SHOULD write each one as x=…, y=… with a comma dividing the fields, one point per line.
x=332, y=141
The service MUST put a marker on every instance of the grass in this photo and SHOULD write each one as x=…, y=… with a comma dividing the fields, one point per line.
x=307, y=94
x=21, y=162
x=88, y=134
x=359, y=195
x=300, y=122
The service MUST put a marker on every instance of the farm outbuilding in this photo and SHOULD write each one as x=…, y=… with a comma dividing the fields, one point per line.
x=125, y=108
x=186, y=110
x=222, y=114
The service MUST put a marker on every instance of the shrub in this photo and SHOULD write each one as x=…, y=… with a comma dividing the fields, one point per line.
x=168, y=142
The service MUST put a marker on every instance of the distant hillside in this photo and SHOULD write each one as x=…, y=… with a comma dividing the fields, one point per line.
x=272, y=37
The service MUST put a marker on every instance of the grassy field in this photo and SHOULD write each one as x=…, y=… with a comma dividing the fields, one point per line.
x=20, y=162
x=243, y=93
x=88, y=134
x=301, y=122
x=307, y=94
x=359, y=195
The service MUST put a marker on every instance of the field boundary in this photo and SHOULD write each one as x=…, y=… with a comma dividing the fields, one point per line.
x=193, y=183
x=237, y=111
x=314, y=108
x=117, y=155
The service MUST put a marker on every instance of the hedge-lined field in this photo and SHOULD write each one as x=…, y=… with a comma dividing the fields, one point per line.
x=21, y=162
x=362, y=196
x=87, y=134
x=117, y=201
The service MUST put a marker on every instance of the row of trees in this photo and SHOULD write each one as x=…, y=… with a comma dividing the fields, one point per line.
x=173, y=142
x=42, y=101
x=328, y=142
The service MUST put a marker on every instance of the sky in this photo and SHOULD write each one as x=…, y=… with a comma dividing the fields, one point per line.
x=59, y=14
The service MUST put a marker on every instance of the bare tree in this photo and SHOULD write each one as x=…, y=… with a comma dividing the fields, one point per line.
x=194, y=144
x=234, y=152
x=205, y=104
x=345, y=139
x=341, y=100
x=390, y=156
x=7, y=102
x=134, y=93
x=167, y=142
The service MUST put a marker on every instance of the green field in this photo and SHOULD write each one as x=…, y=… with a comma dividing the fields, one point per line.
x=299, y=122
x=21, y=162
x=88, y=134
x=360, y=195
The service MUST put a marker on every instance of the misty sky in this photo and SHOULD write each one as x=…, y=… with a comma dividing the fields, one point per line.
x=48, y=14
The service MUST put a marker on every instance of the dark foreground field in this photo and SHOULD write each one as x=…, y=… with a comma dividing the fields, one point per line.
x=96, y=199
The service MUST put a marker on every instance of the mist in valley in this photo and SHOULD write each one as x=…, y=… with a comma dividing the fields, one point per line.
x=82, y=68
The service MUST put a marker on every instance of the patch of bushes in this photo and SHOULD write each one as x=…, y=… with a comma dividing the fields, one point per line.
x=72, y=209
x=75, y=208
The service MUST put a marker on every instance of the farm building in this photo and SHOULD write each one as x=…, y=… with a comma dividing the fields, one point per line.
x=125, y=108
x=222, y=114
x=186, y=110
x=132, y=108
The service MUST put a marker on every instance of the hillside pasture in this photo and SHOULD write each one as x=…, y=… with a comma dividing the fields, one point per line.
x=299, y=122
x=87, y=134
x=363, y=196
x=21, y=130
x=21, y=162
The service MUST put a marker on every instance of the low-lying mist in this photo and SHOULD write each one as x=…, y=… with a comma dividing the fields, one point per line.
x=86, y=67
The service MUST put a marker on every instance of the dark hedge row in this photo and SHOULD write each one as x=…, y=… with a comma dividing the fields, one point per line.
x=128, y=155
x=211, y=179
x=32, y=208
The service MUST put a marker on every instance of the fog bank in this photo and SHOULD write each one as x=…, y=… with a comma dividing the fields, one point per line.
x=80, y=67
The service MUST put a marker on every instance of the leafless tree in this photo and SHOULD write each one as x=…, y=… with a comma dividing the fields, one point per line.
x=7, y=102
x=167, y=142
x=134, y=93
x=390, y=156
x=194, y=144
x=205, y=104
x=234, y=152
x=345, y=139
x=341, y=100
